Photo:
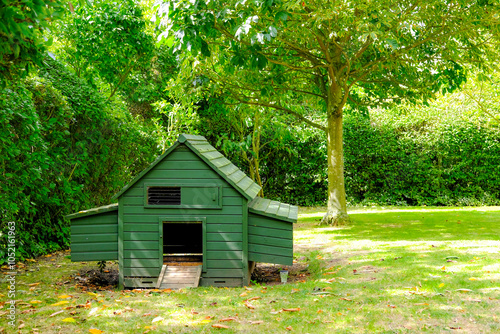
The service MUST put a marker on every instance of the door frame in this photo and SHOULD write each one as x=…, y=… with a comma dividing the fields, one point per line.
x=187, y=219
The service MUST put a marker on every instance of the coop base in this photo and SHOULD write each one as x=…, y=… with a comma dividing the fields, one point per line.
x=183, y=259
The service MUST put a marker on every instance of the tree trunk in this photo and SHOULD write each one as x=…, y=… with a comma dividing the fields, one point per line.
x=337, y=206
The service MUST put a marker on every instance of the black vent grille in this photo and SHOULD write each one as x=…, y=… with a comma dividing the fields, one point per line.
x=164, y=195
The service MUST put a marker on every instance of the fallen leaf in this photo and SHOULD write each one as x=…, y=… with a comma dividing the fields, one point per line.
x=464, y=290
x=244, y=294
x=253, y=298
x=69, y=320
x=421, y=304
x=289, y=328
x=391, y=306
x=34, y=284
x=35, y=301
x=227, y=319
x=157, y=319
x=441, y=285
x=55, y=313
x=21, y=326
x=205, y=321
x=472, y=279
x=95, y=331
x=296, y=309
x=250, y=306
x=319, y=311
x=219, y=326
x=64, y=296
x=62, y=302
x=443, y=268
x=257, y=322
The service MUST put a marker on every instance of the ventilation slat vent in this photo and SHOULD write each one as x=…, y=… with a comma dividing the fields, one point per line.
x=164, y=195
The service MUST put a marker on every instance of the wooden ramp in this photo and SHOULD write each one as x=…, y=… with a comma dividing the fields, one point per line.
x=177, y=277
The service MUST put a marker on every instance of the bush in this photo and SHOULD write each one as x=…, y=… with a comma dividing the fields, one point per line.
x=64, y=148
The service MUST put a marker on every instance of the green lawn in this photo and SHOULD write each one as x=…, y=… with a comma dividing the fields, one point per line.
x=390, y=271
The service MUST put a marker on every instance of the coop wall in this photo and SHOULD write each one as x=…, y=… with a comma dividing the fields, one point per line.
x=225, y=259
x=270, y=240
x=95, y=237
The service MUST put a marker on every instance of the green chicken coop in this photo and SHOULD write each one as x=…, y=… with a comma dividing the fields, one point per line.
x=191, y=218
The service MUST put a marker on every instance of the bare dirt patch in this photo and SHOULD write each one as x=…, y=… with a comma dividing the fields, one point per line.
x=89, y=278
x=270, y=273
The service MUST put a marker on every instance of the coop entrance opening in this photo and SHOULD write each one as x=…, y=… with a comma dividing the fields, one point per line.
x=183, y=243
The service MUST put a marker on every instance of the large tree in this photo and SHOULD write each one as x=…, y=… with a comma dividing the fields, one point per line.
x=314, y=58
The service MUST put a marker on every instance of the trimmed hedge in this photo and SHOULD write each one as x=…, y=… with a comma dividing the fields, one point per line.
x=396, y=161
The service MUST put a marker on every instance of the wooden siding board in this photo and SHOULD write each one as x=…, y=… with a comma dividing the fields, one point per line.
x=94, y=247
x=91, y=238
x=271, y=232
x=224, y=237
x=281, y=251
x=270, y=258
x=94, y=256
x=213, y=218
x=227, y=264
x=140, y=254
x=140, y=245
x=262, y=221
x=141, y=236
x=222, y=273
x=224, y=255
x=271, y=241
x=224, y=246
x=96, y=229
x=103, y=218
x=137, y=263
x=141, y=272
x=224, y=228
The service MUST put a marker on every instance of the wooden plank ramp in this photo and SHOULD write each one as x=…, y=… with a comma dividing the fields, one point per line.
x=178, y=277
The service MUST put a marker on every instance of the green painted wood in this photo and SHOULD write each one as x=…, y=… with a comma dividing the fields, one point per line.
x=224, y=255
x=223, y=246
x=215, y=228
x=262, y=221
x=229, y=169
x=184, y=165
x=91, y=238
x=221, y=282
x=138, y=236
x=94, y=256
x=204, y=148
x=201, y=175
x=237, y=273
x=273, y=209
x=100, y=218
x=140, y=245
x=271, y=232
x=94, y=247
x=96, y=229
x=145, y=171
x=269, y=258
x=183, y=156
x=224, y=237
x=271, y=241
x=131, y=263
x=213, y=218
x=184, y=137
x=140, y=254
x=246, y=273
x=93, y=211
x=231, y=210
x=153, y=272
x=140, y=227
x=138, y=189
x=121, y=243
x=283, y=210
x=224, y=264
x=139, y=282
x=269, y=250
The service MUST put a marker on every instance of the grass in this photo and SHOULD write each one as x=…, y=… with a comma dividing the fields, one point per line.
x=391, y=271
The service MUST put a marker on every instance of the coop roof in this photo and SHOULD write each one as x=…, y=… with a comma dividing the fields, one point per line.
x=274, y=209
x=94, y=211
x=220, y=164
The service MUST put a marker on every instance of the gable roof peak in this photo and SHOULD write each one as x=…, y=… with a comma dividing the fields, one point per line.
x=213, y=158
